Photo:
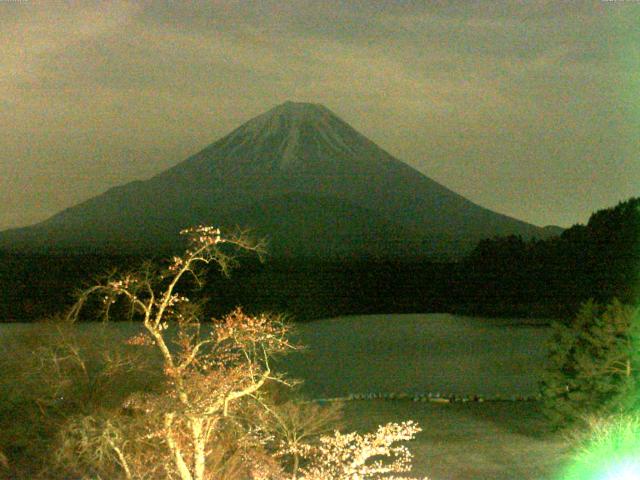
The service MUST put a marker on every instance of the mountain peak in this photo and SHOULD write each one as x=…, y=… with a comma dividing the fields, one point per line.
x=297, y=152
x=297, y=132
x=290, y=104
x=295, y=113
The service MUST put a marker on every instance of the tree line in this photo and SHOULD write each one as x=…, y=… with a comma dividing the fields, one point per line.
x=599, y=261
x=503, y=276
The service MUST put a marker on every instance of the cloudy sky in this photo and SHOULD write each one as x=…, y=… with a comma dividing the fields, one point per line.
x=528, y=108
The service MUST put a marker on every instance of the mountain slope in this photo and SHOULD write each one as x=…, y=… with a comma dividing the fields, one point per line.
x=277, y=173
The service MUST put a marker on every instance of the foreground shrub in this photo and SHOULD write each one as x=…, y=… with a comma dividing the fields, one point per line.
x=593, y=364
x=52, y=371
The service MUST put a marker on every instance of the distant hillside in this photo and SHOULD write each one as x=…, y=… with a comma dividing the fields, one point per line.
x=297, y=174
x=599, y=260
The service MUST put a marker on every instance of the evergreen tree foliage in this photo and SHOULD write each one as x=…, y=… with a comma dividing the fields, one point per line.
x=593, y=364
x=599, y=260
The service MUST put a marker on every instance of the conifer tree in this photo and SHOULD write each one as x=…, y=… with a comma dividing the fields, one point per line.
x=593, y=364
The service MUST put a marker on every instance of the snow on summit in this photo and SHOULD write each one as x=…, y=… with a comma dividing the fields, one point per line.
x=300, y=126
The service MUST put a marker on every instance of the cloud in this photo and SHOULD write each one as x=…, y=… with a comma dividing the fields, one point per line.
x=493, y=88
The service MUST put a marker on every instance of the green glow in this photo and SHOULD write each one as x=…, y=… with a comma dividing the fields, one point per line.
x=613, y=452
x=627, y=470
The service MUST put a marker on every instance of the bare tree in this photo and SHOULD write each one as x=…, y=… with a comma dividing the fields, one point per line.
x=209, y=370
x=214, y=419
x=295, y=424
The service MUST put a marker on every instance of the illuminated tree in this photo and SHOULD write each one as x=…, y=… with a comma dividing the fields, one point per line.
x=349, y=456
x=212, y=418
x=211, y=371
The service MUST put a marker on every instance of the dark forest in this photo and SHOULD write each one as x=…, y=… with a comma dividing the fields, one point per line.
x=503, y=276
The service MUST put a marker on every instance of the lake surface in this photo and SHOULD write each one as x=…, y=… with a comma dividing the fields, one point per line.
x=411, y=353
x=418, y=353
x=422, y=353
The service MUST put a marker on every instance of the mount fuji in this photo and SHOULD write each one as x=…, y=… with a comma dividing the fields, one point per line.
x=297, y=175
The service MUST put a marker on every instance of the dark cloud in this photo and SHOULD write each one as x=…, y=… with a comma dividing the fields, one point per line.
x=526, y=108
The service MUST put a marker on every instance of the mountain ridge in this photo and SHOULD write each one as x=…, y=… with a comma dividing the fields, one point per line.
x=293, y=149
